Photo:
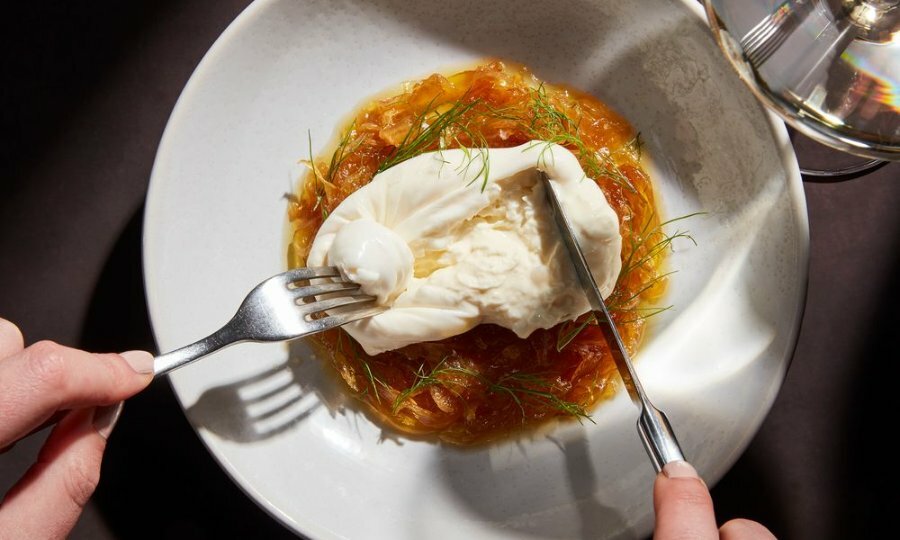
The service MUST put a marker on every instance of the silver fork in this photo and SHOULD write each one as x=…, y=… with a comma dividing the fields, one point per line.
x=769, y=34
x=283, y=307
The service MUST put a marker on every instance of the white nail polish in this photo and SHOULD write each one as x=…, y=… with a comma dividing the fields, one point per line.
x=105, y=418
x=140, y=361
x=680, y=469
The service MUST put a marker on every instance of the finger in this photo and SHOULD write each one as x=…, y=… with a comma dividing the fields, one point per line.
x=11, y=340
x=52, y=421
x=47, y=501
x=744, y=529
x=47, y=377
x=683, y=505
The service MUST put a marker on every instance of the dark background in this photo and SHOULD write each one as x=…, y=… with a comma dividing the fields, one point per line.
x=87, y=90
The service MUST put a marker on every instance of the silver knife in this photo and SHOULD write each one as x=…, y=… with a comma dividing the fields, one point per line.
x=653, y=426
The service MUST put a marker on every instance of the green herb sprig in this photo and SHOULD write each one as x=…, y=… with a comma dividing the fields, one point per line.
x=632, y=262
x=518, y=386
x=549, y=125
x=371, y=379
x=318, y=181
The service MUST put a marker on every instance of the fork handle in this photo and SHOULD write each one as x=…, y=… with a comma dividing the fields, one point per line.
x=222, y=338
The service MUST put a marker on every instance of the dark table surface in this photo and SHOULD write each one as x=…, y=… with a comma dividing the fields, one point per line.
x=88, y=87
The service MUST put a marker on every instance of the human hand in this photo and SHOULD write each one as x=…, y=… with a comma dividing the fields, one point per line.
x=84, y=391
x=684, y=509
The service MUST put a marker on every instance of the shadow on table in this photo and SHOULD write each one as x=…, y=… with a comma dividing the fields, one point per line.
x=158, y=480
x=745, y=492
x=866, y=479
x=818, y=156
x=863, y=496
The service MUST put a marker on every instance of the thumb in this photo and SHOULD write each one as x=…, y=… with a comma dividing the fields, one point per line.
x=47, y=501
x=684, y=508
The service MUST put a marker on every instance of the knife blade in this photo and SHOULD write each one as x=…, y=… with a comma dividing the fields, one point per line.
x=654, y=428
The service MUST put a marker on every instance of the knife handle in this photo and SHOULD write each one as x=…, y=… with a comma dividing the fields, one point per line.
x=658, y=437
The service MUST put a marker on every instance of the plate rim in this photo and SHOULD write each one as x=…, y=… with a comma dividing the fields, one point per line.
x=787, y=158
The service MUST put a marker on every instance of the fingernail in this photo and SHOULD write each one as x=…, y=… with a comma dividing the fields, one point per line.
x=105, y=418
x=679, y=469
x=140, y=361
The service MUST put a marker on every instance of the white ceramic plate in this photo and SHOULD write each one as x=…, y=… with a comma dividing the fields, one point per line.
x=215, y=226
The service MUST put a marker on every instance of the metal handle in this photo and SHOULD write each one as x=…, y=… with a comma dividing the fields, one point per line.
x=658, y=437
x=653, y=427
x=220, y=339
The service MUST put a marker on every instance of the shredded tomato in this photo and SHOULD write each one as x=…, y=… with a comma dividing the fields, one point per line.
x=487, y=383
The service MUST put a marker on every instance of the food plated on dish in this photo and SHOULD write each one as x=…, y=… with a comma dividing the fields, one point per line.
x=291, y=434
x=430, y=200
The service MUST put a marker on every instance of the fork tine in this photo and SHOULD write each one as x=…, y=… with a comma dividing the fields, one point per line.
x=760, y=38
x=768, y=42
x=333, y=303
x=270, y=313
x=300, y=274
x=332, y=321
x=324, y=288
x=764, y=39
x=755, y=34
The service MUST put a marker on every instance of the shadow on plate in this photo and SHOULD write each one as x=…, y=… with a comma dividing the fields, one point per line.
x=253, y=409
x=270, y=402
x=572, y=26
x=500, y=501
x=158, y=480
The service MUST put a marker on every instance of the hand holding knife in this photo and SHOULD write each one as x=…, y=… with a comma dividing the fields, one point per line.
x=653, y=426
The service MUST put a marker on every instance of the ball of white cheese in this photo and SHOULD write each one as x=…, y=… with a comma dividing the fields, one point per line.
x=480, y=249
x=374, y=256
